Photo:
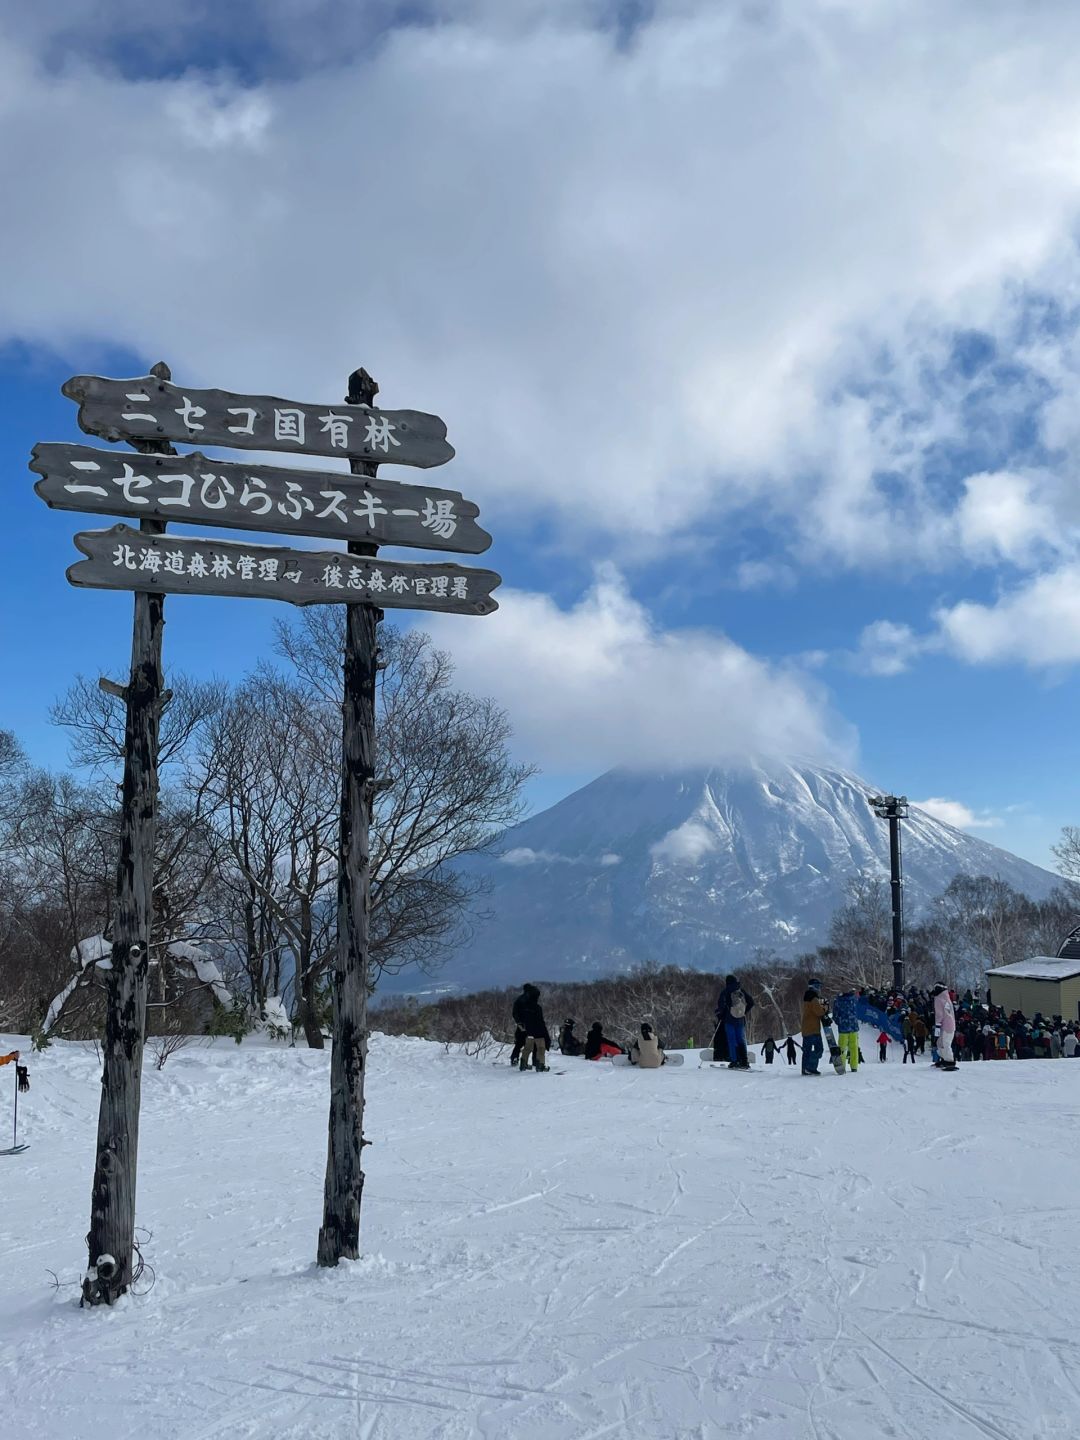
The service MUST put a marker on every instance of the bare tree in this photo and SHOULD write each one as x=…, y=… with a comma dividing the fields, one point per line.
x=450, y=785
x=266, y=772
x=94, y=718
x=859, y=950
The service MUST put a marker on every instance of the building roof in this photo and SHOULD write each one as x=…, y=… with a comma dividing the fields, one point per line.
x=1039, y=967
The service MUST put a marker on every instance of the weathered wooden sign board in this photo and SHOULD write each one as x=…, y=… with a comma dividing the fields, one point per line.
x=149, y=408
x=155, y=486
x=197, y=491
x=126, y=559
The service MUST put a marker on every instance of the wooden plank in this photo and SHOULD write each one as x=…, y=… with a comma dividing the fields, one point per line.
x=147, y=408
x=199, y=491
x=125, y=559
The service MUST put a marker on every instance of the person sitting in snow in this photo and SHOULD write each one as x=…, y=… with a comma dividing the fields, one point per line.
x=530, y=1018
x=569, y=1043
x=598, y=1046
x=645, y=1050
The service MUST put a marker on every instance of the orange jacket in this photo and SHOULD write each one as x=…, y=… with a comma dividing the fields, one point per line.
x=7, y=1059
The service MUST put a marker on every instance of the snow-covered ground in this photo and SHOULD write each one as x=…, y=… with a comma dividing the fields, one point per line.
x=605, y=1252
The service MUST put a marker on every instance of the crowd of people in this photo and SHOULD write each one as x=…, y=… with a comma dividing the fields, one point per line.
x=983, y=1031
x=954, y=1027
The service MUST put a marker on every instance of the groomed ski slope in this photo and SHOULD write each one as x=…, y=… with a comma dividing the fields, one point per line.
x=689, y=1252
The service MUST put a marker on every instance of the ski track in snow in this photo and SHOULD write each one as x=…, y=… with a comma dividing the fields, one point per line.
x=687, y=1252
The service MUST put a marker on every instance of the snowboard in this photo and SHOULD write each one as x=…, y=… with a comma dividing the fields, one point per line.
x=706, y=1058
x=835, y=1053
x=670, y=1060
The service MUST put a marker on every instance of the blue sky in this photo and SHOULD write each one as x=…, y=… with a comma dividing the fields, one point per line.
x=756, y=335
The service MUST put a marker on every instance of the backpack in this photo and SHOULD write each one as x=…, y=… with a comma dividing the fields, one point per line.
x=737, y=1005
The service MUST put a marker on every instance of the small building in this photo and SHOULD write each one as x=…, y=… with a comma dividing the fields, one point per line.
x=1045, y=984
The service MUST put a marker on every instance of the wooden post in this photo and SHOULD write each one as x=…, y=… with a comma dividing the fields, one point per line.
x=111, y=1238
x=339, y=1237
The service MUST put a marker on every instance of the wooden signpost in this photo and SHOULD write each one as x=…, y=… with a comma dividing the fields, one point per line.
x=197, y=491
x=125, y=559
x=150, y=408
x=156, y=485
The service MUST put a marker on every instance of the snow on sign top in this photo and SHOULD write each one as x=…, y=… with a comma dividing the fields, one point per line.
x=1039, y=967
x=148, y=408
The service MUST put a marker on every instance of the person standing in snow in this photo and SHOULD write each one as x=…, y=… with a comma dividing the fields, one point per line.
x=769, y=1049
x=789, y=1049
x=645, y=1051
x=846, y=1014
x=530, y=1018
x=945, y=1025
x=814, y=1011
x=732, y=1008
x=883, y=1041
x=1070, y=1044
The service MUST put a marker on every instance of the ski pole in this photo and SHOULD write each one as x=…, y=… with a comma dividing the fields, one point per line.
x=15, y=1122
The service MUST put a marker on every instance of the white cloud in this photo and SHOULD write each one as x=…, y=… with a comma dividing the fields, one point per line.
x=1001, y=517
x=633, y=278
x=957, y=814
x=887, y=648
x=684, y=845
x=600, y=684
x=1036, y=623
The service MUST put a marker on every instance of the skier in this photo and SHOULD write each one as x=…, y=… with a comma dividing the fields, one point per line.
x=945, y=1024
x=814, y=1011
x=883, y=1040
x=789, y=1049
x=598, y=1046
x=569, y=1044
x=769, y=1049
x=646, y=1051
x=845, y=1013
x=530, y=1018
x=732, y=1008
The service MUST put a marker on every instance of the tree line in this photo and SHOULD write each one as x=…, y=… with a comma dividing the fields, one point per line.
x=245, y=869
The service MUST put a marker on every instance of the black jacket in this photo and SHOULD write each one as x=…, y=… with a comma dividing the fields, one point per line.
x=529, y=1016
x=594, y=1040
x=723, y=1004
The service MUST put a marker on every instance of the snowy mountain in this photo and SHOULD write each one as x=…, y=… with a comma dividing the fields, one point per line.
x=699, y=867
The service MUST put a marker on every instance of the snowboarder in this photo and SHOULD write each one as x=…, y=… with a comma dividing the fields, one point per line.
x=645, y=1050
x=790, y=1046
x=732, y=1008
x=945, y=1024
x=569, y=1043
x=814, y=1011
x=530, y=1018
x=883, y=1040
x=845, y=1013
x=598, y=1046
x=769, y=1049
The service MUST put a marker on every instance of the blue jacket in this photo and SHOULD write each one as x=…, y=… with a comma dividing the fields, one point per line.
x=845, y=1011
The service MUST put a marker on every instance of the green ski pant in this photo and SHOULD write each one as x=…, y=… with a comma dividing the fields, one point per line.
x=849, y=1048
